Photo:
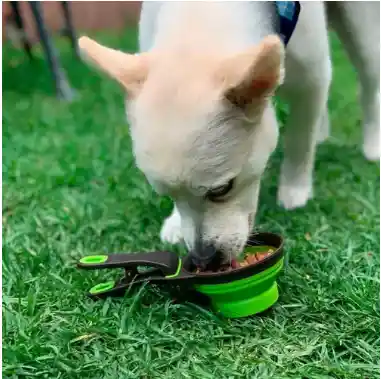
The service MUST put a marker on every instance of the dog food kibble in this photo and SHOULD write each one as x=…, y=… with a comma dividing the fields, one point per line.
x=261, y=256
x=250, y=258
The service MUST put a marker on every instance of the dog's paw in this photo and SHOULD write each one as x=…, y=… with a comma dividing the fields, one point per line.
x=371, y=148
x=292, y=197
x=171, y=229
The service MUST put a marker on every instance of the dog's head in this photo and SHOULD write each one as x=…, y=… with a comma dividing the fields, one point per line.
x=203, y=130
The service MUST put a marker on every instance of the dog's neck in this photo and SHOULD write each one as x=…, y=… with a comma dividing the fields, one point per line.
x=212, y=27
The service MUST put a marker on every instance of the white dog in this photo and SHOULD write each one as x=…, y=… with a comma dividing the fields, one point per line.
x=199, y=106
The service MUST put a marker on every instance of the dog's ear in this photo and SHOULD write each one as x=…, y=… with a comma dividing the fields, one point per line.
x=255, y=73
x=128, y=69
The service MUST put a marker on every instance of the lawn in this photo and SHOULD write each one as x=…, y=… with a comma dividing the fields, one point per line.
x=70, y=188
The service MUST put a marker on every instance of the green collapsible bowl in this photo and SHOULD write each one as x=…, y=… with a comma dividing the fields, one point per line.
x=238, y=292
x=248, y=290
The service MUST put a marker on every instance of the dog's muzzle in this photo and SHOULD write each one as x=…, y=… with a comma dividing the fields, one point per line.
x=204, y=255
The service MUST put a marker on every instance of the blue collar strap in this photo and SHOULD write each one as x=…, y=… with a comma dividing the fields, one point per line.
x=288, y=12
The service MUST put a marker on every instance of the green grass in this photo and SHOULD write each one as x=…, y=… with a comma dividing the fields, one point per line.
x=71, y=189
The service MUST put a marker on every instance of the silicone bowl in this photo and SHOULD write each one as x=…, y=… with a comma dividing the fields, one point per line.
x=248, y=290
x=233, y=293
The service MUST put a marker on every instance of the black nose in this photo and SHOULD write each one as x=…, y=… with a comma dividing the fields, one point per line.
x=204, y=255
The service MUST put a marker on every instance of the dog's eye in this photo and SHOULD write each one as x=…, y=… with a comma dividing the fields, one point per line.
x=217, y=194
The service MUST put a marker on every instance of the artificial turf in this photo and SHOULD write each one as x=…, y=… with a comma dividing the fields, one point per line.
x=70, y=188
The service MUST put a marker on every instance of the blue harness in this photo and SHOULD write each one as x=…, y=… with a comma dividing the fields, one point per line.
x=288, y=12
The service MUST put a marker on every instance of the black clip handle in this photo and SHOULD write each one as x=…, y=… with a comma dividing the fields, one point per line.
x=163, y=265
x=165, y=261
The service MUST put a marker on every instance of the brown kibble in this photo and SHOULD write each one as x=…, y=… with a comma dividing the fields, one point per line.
x=251, y=259
x=262, y=255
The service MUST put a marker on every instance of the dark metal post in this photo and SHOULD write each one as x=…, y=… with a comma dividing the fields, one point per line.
x=62, y=86
x=69, y=27
x=20, y=26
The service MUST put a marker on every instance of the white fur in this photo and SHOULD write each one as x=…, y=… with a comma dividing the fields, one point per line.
x=171, y=229
x=200, y=106
x=198, y=151
x=180, y=148
x=358, y=26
